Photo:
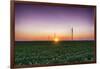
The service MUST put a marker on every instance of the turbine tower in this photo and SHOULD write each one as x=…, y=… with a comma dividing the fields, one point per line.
x=72, y=33
x=54, y=35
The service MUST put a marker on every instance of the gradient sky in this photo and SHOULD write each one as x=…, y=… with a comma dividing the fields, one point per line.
x=35, y=22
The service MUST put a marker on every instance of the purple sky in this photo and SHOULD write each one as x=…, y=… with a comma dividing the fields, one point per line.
x=35, y=21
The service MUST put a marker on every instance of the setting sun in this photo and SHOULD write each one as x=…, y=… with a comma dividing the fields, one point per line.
x=56, y=39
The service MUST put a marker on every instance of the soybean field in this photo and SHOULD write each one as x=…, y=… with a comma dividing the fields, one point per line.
x=49, y=52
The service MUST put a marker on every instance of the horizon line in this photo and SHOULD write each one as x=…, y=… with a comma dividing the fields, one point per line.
x=59, y=41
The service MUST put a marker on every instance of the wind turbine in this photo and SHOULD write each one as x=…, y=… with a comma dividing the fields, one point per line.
x=72, y=33
x=55, y=38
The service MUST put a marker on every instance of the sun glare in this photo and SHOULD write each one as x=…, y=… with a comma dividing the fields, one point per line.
x=56, y=39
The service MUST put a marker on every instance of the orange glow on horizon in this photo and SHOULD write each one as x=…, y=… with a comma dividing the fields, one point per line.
x=59, y=37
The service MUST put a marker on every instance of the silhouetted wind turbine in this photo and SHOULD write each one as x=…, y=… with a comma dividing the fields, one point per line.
x=54, y=35
x=72, y=33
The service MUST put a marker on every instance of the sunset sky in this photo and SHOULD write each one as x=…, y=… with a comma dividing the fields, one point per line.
x=35, y=22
